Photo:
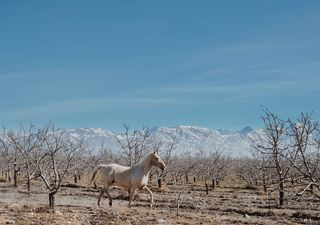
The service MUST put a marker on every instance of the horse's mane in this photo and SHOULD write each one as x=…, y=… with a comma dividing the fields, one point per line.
x=146, y=157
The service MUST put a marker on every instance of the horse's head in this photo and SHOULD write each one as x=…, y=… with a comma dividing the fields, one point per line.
x=157, y=161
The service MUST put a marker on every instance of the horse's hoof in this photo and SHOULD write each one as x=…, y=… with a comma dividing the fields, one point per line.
x=110, y=203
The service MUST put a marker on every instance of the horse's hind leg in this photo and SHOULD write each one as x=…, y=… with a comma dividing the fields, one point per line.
x=105, y=190
x=151, y=195
x=100, y=196
x=109, y=196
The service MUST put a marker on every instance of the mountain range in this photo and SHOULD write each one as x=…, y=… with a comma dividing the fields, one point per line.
x=189, y=139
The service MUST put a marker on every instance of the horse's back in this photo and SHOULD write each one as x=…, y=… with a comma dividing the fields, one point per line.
x=118, y=168
x=109, y=172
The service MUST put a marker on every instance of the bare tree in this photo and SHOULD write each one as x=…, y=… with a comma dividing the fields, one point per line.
x=187, y=165
x=183, y=165
x=221, y=169
x=257, y=169
x=165, y=149
x=214, y=166
x=273, y=145
x=11, y=156
x=26, y=142
x=134, y=144
x=54, y=159
x=305, y=141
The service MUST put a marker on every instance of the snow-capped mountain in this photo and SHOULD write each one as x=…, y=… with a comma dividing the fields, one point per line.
x=188, y=139
x=192, y=139
x=95, y=137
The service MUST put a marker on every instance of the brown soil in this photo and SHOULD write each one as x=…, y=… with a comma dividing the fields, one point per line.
x=231, y=203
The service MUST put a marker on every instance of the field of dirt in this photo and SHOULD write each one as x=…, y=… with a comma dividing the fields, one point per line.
x=233, y=202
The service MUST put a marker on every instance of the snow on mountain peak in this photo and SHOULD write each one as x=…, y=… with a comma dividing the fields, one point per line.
x=188, y=138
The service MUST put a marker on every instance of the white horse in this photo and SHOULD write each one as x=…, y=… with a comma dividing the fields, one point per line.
x=129, y=178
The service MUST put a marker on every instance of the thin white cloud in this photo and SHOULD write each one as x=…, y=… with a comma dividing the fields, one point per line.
x=241, y=48
x=238, y=90
x=19, y=75
x=83, y=105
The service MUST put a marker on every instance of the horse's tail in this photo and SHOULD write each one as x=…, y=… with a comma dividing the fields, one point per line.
x=97, y=169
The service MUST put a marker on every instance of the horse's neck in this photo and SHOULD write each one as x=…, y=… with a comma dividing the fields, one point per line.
x=145, y=165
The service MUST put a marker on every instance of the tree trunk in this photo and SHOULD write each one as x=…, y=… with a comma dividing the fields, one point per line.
x=207, y=190
x=265, y=188
x=51, y=200
x=75, y=176
x=187, y=178
x=281, y=192
x=213, y=183
x=159, y=183
x=264, y=183
x=28, y=186
x=15, y=179
x=15, y=176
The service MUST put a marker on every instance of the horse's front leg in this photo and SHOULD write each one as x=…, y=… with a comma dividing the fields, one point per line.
x=151, y=195
x=132, y=193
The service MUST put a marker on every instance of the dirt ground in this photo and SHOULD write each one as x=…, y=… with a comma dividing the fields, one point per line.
x=233, y=202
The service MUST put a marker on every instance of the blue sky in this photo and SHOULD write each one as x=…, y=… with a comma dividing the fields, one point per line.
x=157, y=63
